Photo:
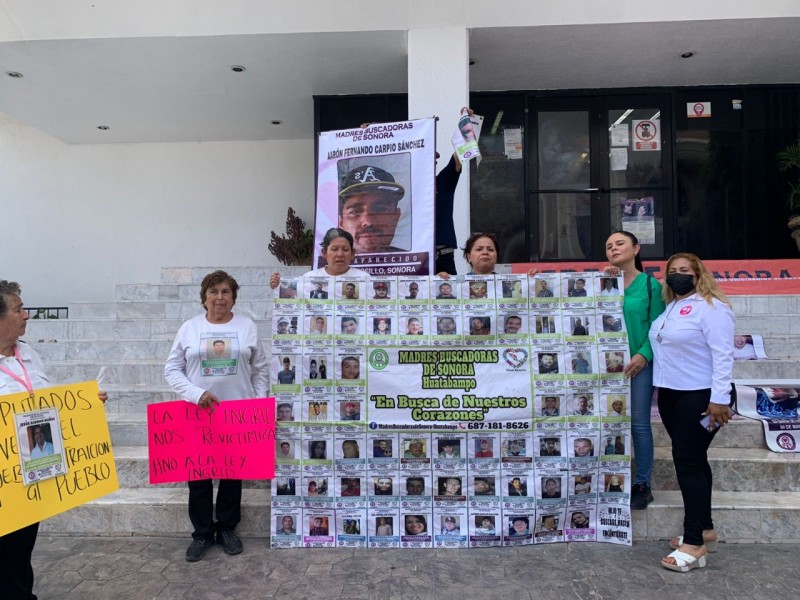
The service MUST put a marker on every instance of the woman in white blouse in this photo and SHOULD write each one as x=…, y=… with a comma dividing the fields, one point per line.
x=692, y=345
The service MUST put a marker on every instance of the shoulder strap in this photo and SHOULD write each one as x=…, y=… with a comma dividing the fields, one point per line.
x=649, y=294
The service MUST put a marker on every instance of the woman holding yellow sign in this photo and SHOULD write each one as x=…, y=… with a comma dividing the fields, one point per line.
x=21, y=370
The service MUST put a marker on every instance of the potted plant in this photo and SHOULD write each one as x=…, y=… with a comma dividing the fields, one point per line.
x=788, y=159
x=295, y=247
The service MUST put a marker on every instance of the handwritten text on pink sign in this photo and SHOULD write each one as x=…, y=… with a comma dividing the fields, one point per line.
x=187, y=443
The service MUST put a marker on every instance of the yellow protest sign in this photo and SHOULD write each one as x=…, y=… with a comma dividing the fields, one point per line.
x=91, y=472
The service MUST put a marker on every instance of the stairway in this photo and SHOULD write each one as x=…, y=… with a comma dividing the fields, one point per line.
x=757, y=492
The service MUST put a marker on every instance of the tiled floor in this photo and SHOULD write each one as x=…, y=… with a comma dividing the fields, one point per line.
x=143, y=568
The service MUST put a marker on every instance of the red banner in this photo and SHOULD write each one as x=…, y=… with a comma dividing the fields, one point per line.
x=735, y=277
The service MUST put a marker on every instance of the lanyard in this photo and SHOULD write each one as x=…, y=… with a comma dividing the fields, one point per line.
x=25, y=380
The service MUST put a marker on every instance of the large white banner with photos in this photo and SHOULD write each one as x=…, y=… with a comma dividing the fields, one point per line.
x=471, y=412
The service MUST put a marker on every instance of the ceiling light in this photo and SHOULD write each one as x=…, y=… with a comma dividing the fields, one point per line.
x=622, y=117
x=496, y=123
x=238, y=69
x=15, y=74
x=689, y=54
x=103, y=127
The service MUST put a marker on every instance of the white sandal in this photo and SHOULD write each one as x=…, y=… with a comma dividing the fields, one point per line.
x=684, y=562
x=711, y=545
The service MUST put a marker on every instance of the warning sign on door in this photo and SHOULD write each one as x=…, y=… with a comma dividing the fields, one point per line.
x=647, y=135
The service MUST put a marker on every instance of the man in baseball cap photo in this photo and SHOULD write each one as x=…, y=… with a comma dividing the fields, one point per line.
x=368, y=209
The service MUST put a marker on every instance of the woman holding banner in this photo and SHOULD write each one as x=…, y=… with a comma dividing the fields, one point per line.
x=642, y=306
x=198, y=376
x=693, y=370
x=338, y=252
x=21, y=370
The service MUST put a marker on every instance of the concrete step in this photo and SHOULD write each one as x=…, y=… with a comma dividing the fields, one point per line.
x=188, y=292
x=767, y=324
x=765, y=305
x=782, y=346
x=159, y=309
x=152, y=511
x=103, y=329
x=110, y=350
x=132, y=400
x=739, y=433
x=737, y=470
x=102, y=350
x=242, y=275
x=744, y=517
x=133, y=469
x=767, y=369
x=62, y=330
x=128, y=373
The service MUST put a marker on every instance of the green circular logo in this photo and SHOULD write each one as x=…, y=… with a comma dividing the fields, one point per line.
x=379, y=359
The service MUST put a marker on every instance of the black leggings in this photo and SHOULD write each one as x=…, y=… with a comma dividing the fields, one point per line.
x=681, y=412
x=16, y=572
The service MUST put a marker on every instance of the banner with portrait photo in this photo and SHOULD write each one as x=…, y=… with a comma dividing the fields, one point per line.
x=377, y=183
x=515, y=434
x=777, y=409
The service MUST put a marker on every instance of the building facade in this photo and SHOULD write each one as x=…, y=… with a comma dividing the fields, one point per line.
x=134, y=137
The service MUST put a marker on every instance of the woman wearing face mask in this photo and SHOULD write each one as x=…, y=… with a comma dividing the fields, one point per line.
x=693, y=368
x=642, y=305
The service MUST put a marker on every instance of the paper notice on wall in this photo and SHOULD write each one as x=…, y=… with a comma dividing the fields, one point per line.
x=619, y=159
x=620, y=135
x=512, y=141
x=638, y=217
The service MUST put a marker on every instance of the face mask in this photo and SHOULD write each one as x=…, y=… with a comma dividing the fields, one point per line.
x=680, y=283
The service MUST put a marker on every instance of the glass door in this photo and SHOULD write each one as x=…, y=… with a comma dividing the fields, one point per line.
x=636, y=187
x=562, y=180
x=598, y=165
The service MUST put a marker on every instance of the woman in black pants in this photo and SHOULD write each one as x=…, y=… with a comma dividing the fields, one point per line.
x=692, y=344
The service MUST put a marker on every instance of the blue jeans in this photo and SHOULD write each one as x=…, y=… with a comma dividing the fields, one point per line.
x=642, y=433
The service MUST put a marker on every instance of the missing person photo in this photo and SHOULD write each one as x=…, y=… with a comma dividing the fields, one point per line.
x=375, y=203
x=349, y=291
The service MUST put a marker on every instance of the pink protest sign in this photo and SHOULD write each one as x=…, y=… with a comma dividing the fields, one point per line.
x=187, y=443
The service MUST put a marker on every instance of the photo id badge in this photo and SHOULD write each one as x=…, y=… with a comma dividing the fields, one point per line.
x=41, y=447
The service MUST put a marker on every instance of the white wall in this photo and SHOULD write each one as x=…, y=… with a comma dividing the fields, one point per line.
x=76, y=220
x=66, y=19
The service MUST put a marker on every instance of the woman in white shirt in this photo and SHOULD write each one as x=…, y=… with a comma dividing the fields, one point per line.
x=337, y=250
x=216, y=356
x=21, y=370
x=692, y=345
